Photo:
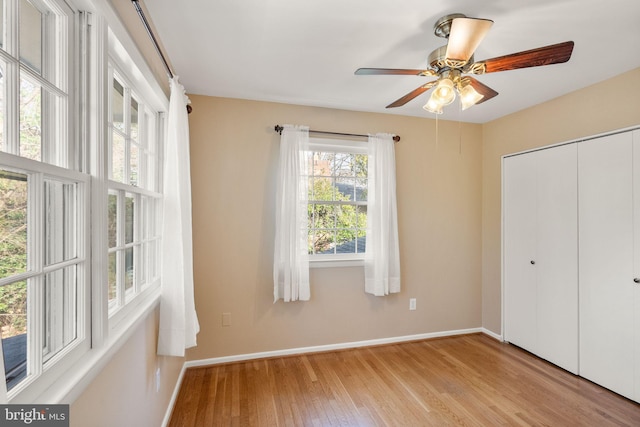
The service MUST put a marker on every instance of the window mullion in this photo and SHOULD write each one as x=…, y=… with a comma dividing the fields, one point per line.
x=35, y=285
x=137, y=238
x=126, y=119
x=11, y=78
x=120, y=254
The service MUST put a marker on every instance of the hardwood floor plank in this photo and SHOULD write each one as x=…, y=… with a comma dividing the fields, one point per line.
x=470, y=380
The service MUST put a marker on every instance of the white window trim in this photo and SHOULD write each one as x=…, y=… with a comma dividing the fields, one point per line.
x=338, y=146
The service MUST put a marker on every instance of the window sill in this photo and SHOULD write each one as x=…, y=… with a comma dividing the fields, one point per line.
x=336, y=262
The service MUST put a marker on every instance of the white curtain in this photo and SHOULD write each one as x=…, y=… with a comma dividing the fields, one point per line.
x=382, y=255
x=178, y=320
x=291, y=259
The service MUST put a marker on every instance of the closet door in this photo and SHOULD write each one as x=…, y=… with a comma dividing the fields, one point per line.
x=519, y=249
x=636, y=260
x=606, y=262
x=540, y=254
x=557, y=256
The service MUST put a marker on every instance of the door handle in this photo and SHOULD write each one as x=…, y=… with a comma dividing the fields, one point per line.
x=533, y=262
x=636, y=280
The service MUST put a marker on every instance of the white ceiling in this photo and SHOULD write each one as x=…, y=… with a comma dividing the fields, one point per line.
x=306, y=52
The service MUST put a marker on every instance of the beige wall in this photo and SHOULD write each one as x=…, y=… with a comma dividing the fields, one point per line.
x=606, y=106
x=124, y=393
x=233, y=160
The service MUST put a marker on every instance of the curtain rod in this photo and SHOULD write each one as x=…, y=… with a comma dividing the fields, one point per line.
x=145, y=23
x=279, y=129
x=136, y=4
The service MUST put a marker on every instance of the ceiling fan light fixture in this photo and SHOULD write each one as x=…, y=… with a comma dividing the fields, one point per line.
x=444, y=94
x=433, y=106
x=469, y=96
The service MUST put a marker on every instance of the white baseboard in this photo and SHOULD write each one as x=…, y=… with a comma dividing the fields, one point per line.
x=330, y=347
x=492, y=334
x=174, y=397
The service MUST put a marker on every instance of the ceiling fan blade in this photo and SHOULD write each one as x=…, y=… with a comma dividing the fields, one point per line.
x=408, y=97
x=392, y=71
x=465, y=36
x=484, y=90
x=547, y=55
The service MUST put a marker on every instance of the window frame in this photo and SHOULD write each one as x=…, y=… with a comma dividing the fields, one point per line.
x=121, y=306
x=337, y=145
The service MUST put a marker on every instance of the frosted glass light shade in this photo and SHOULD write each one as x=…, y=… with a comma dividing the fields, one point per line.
x=469, y=97
x=433, y=106
x=444, y=93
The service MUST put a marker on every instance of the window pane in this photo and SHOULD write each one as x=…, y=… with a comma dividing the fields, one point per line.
x=134, y=119
x=343, y=164
x=13, y=223
x=133, y=165
x=322, y=164
x=30, y=119
x=361, y=189
x=112, y=214
x=324, y=241
x=113, y=275
x=2, y=25
x=346, y=243
x=361, y=222
x=117, y=105
x=117, y=157
x=30, y=36
x=61, y=219
x=322, y=216
x=13, y=326
x=128, y=269
x=3, y=146
x=321, y=189
x=361, y=165
x=129, y=208
x=60, y=310
x=345, y=189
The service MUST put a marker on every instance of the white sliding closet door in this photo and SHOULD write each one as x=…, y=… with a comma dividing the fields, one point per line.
x=557, y=256
x=519, y=248
x=540, y=254
x=607, y=289
x=636, y=261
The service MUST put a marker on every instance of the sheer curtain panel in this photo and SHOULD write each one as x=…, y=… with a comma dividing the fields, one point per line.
x=178, y=320
x=291, y=257
x=382, y=255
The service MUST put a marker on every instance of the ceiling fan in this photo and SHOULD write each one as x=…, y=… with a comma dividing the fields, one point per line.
x=451, y=64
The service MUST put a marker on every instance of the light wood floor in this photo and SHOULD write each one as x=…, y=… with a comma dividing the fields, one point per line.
x=470, y=380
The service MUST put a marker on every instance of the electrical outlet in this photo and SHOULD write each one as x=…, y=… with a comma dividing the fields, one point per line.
x=226, y=319
x=412, y=303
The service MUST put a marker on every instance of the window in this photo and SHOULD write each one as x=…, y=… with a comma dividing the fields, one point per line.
x=80, y=184
x=134, y=200
x=44, y=268
x=337, y=207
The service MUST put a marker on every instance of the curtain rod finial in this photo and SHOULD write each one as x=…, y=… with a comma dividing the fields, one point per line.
x=278, y=129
